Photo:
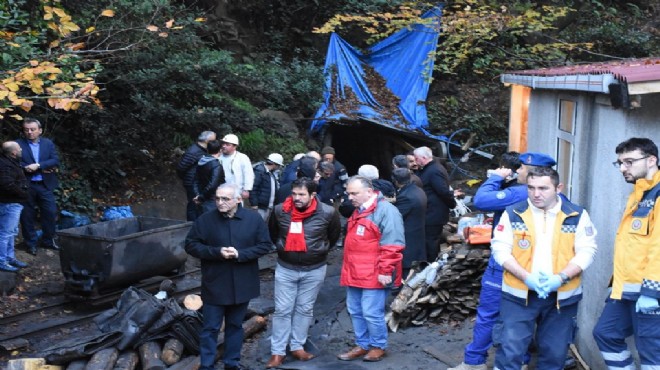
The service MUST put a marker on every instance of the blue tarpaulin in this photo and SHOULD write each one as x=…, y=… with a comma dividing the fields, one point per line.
x=404, y=60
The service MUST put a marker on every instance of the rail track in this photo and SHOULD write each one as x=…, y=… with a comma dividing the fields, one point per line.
x=70, y=311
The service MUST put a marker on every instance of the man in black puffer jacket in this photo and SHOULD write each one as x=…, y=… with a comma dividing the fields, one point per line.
x=303, y=230
x=208, y=176
x=13, y=193
x=266, y=184
x=186, y=170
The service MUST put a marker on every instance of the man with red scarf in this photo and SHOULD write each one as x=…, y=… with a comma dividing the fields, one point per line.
x=303, y=230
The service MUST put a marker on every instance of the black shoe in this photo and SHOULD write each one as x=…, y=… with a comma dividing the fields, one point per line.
x=16, y=263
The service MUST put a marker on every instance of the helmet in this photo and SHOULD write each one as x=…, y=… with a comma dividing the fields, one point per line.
x=276, y=158
x=231, y=139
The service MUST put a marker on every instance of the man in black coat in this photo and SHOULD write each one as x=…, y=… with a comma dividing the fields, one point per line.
x=440, y=198
x=208, y=176
x=186, y=167
x=40, y=161
x=266, y=184
x=13, y=192
x=229, y=243
x=411, y=203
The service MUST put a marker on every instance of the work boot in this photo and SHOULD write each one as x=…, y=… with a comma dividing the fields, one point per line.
x=4, y=266
x=464, y=366
x=374, y=355
x=50, y=245
x=354, y=353
x=275, y=361
x=302, y=355
x=16, y=263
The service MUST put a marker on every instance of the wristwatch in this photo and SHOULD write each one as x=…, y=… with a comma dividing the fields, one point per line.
x=564, y=278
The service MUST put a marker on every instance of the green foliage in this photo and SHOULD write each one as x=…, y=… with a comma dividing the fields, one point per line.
x=258, y=144
x=75, y=192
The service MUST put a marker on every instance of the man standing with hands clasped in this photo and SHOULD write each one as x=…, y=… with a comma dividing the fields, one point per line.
x=544, y=243
x=632, y=308
x=229, y=243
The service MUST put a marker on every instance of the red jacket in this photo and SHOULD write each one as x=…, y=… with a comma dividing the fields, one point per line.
x=373, y=246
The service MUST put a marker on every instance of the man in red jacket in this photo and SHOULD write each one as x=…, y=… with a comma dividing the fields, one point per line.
x=372, y=265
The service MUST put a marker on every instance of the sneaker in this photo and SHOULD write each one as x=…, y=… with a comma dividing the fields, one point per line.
x=464, y=366
x=16, y=263
x=4, y=266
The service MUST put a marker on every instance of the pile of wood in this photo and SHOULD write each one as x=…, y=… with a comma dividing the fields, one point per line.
x=453, y=294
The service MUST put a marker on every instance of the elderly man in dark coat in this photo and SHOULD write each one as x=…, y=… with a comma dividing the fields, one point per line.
x=440, y=198
x=228, y=242
x=411, y=203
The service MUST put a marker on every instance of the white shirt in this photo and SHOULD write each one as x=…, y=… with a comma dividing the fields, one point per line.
x=238, y=170
x=544, y=221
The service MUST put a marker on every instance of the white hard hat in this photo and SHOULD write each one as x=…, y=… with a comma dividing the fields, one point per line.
x=231, y=139
x=276, y=158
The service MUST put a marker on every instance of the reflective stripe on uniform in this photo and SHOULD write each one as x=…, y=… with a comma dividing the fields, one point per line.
x=620, y=356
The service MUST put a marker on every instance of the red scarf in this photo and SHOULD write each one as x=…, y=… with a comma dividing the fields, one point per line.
x=295, y=242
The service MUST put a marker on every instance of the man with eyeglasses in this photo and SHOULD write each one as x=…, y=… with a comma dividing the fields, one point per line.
x=632, y=307
x=229, y=243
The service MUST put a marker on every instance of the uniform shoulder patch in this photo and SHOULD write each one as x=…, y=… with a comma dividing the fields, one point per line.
x=500, y=195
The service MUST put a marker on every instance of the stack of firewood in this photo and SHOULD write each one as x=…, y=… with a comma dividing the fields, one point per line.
x=446, y=291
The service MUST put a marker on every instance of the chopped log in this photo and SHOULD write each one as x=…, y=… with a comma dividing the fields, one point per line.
x=188, y=363
x=51, y=367
x=172, y=351
x=127, y=360
x=77, y=365
x=150, y=356
x=193, y=302
x=104, y=359
x=26, y=364
x=454, y=239
x=250, y=327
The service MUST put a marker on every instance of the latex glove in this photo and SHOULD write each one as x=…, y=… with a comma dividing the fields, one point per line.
x=550, y=283
x=533, y=282
x=646, y=304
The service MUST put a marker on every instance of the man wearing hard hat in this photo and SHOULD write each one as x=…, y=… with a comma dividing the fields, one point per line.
x=237, y=166
x=266, y=184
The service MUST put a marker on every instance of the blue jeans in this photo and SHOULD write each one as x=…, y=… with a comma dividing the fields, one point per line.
x=513, y=333
x=10, y=213
x=619, y=321
x=295, y=295
x=488, y=312
x=367, y=310
x=208, y=339
x=39, y=195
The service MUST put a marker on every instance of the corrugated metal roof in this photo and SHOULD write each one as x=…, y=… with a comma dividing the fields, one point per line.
x=628, y=70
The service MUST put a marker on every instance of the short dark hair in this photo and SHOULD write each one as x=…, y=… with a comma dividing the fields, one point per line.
x=646, y=146
x=32, y=120
x=400, y=161
x=213, y=147
x=401, y=176
x=536, y=171
x=304, y=182
x=510, y=160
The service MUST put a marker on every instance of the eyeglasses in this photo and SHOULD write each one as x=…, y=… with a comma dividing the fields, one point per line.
x=223, y=199
x=627, y=163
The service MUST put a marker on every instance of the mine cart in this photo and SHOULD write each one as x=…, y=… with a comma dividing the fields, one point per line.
x=118, y=253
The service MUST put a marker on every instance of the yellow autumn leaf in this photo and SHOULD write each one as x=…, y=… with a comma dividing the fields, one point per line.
x=13, y=44
x=26, y=105
x=77, y=46
x=90, y=29
x=80, y=75
x=200, y=19
x=3, y=94
x=34, y=63
x=12, y=86
x=169, y=23
x=60, y=12
x=53, y=26
x=177, y=28
x=52, y=70
x=16, y=117
x=54, y=44
x=152, y=28
x=108, y=13
x=48, y=16
x=37, y=86
x=52, y=102
x=163, y=34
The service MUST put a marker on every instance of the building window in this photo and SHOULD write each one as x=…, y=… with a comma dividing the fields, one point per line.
x=566, y=144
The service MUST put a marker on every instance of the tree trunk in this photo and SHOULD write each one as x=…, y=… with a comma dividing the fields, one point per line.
x=150, y=356
x=172, y=351
x=127, y=361
x=104, y=359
